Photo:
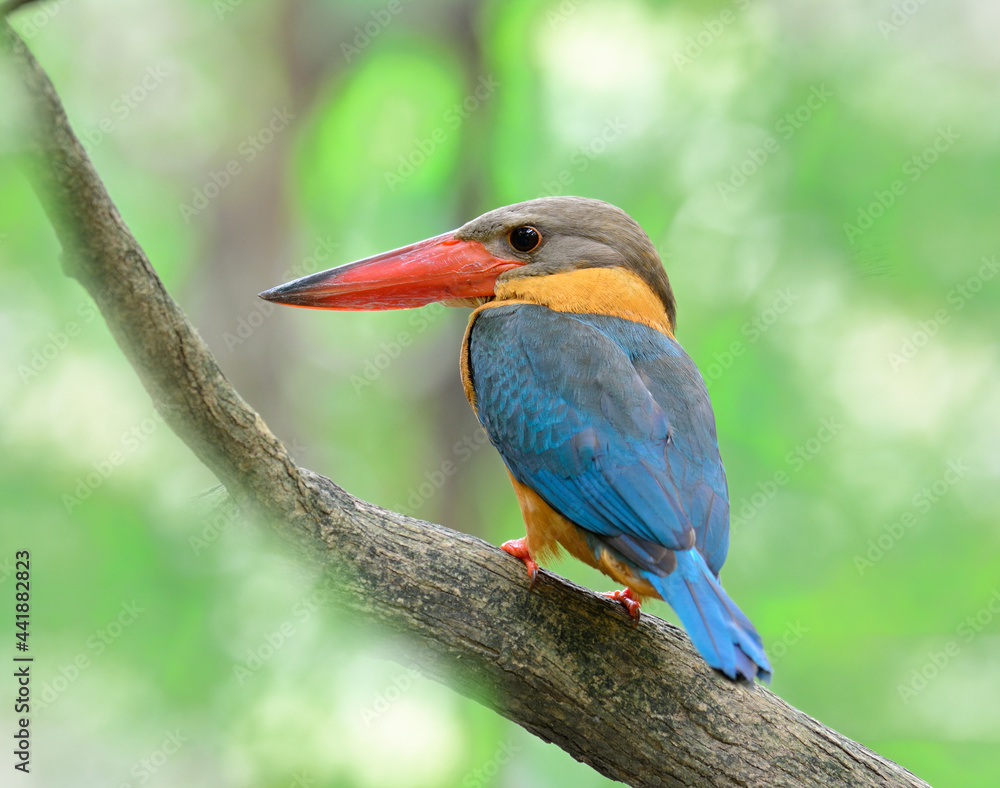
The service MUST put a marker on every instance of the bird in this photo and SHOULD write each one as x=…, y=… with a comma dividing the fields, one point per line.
x=604, y=423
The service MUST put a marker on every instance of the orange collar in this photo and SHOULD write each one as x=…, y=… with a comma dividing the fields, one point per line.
x=601, y=291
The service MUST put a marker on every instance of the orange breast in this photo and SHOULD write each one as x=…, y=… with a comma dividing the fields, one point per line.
x=547, y=529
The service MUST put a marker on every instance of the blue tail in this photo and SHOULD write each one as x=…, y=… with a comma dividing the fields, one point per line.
x=719, y=630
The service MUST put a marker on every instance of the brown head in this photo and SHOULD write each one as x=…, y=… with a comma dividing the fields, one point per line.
x=534, y=238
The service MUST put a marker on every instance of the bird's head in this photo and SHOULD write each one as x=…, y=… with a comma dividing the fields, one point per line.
x=540, y=237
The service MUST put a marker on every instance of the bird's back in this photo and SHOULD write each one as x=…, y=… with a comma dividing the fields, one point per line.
x=606, y=418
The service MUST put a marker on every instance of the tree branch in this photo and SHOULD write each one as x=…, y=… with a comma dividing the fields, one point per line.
x=639, y=705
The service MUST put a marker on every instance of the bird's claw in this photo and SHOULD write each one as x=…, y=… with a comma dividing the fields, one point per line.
x=519, y=549
x=626, y=598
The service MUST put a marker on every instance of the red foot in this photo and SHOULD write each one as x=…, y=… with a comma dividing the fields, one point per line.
x=628, y=599
x=519, y=549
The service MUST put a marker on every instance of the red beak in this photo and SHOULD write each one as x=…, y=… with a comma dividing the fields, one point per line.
x=437, y=269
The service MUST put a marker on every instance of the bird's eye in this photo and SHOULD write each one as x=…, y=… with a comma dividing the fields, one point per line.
x=525, y=238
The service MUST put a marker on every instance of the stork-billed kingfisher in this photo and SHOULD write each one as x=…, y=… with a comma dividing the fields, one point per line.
x=603, y=421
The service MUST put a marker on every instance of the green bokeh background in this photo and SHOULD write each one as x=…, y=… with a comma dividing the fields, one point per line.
x=820, y=179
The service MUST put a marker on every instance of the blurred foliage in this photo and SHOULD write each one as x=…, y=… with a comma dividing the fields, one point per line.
x=821, y=182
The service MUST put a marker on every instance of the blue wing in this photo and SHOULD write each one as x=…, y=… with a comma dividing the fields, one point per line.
x=610, y=423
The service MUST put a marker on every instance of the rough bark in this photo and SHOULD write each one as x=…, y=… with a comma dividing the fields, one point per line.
x=639, y=705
